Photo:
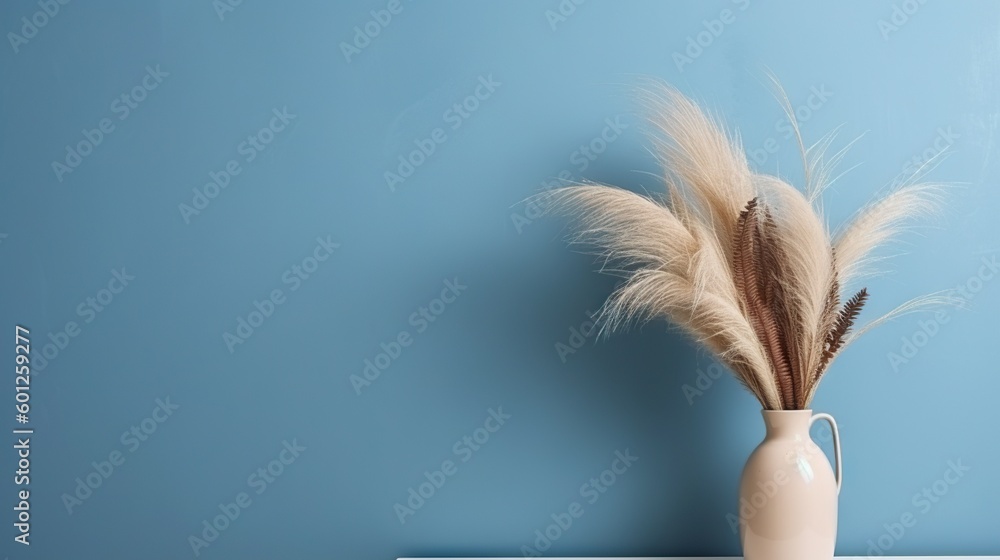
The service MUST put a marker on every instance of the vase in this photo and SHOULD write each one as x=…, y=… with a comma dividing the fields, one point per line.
x=788, y=491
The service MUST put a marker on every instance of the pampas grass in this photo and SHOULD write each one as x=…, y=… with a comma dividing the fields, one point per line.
x=741, y=261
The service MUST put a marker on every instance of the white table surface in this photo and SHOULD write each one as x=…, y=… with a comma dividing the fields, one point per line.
x=720, y=558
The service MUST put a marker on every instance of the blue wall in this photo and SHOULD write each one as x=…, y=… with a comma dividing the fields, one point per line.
x=243, y=178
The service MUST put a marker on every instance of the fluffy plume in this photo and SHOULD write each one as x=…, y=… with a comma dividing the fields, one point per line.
x=878, y=222
x=742, y=262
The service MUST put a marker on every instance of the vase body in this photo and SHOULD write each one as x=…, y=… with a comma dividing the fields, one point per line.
x=788, y=492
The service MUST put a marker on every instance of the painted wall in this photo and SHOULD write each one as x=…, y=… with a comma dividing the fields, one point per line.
x=275, y=268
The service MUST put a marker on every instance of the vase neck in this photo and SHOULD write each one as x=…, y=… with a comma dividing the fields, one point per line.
x=787, y=423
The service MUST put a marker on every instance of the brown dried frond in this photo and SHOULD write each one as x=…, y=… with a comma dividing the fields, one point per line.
x=751, y=279
x=773, y=262
x=835, y=337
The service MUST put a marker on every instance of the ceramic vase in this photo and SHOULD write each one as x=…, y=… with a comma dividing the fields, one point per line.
x=788, y=491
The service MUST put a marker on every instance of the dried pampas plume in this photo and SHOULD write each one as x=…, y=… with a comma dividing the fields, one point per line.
x=741, y=261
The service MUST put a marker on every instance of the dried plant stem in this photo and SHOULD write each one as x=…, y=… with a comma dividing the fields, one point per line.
x=741, y=261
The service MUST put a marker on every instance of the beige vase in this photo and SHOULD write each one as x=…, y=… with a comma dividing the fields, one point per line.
x=788, y=491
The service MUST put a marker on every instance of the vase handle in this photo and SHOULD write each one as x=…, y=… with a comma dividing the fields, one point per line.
x=836, y=443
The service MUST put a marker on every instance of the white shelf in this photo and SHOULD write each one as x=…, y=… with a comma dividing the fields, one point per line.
x=721, y=558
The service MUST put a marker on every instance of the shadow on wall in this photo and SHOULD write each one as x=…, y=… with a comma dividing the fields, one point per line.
x=626, y=389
